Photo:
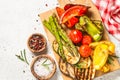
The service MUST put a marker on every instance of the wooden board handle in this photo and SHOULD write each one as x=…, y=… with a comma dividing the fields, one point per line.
x=63, y=2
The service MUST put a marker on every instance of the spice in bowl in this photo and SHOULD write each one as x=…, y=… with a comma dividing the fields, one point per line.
x=43, y=67
x=36, y=43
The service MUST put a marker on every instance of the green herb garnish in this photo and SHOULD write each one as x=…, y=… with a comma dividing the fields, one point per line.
x=22, y=56
x=111, y=58
x=46, y=65
x=78, y=66
x=81, y=64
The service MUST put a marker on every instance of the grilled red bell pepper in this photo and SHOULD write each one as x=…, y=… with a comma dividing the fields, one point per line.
x=67, y=6
x=77, y=10
x=71, y=22
x=60, y=11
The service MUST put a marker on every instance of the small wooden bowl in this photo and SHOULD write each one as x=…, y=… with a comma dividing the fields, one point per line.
x=36, y=43
x=37, y=75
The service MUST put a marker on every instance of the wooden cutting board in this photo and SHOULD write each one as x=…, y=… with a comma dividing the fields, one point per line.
x=93, y=13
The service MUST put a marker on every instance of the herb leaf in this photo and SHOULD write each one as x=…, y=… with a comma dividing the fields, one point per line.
x=46, y=65
x=44, y=61
x=115, y=56
x=78, y=66
x=22, y=56
x=111, y=59
x=25, y=57
x=19, y=57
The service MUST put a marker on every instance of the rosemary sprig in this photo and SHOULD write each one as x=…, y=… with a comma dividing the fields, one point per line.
x=22, y=56
x=78, y=66
x=111, y=58
x=81, y=64
x=46, y=65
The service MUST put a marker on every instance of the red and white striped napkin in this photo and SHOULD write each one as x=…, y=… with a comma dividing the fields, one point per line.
x=110, y=13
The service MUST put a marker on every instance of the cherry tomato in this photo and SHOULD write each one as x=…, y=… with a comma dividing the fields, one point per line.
x=75, y=36
x=85, y=50
x=86, y=39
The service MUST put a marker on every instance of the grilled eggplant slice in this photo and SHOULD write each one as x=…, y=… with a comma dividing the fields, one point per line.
x=63, y=67
x=67, y=69
x=75, y=73
x=70, y=69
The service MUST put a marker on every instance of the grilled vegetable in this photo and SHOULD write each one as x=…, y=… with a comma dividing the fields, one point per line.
x=85, y=73
x=63, y=67
x=55, y=46
x=70, y=58
x=67, y=6
x=111, y=46
x=70, y=69
x=86, y=39
x=84, y=63
x=77, y=10
x=71, y=22
x=57, y=36
x=95, y=31
x=66, y=49
x=60, y=11
x=67, y=69
x=105, y=51
x=75, y=36
x=98, y=23
x=105, y=68
x=100, y=56
x=76, y=73
x=85, y=50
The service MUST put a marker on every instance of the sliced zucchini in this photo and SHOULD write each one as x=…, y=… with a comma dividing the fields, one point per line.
x=84, y=63
x=70, y=58
x=55, y=46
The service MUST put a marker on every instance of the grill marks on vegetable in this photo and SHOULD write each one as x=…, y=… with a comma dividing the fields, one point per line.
x=36, y=42
x=76, y=73
x=61, y=37
x=85, y=74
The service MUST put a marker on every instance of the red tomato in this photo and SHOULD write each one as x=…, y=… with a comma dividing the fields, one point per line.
x=75, y=36
x=85, y=50
x=86, y=39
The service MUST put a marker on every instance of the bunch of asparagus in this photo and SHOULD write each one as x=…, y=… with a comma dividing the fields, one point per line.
x=62, y=39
